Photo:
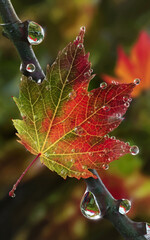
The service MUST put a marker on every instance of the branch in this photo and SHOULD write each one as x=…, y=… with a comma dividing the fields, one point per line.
x=17, y=32
x=129, y=229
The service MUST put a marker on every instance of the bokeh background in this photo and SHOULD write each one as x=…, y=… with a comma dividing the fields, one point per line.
x=47, y=206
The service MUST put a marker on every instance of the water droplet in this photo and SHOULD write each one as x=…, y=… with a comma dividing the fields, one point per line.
x=134, y=150
x=30, y=67
x=137, y=81
x=106, y=108
x=127, y=104
x=21, y=67
x=83, y=28
x=105, y=166
x=106, y=136
x=90, y=94
x=89, y=206
x=90, y=153
x=87, y=74
x=103, y=85
x=125, y=98
x=39, y=81
x=35, y=33
x=127, y=143
x=80, y=45
x=72, y=160
x=118, y=115
x=148, y=228
x=72, y=95
x=78, y=38
x=73, y=150
x=30, y=78
x=125, y=206
x=130, y=99
x=113, y=137
x=79, y=130
x=91, y=70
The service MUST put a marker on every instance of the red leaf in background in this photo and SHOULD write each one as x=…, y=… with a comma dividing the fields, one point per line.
x=135, y=65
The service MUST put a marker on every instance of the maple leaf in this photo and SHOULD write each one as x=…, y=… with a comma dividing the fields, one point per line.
x=136, y=64
x=66, y=125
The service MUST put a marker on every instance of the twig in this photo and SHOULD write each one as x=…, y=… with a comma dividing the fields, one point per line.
x=130, y=230
x=16, y=31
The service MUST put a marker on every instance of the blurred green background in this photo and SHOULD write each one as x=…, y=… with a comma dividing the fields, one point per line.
x=46, y=206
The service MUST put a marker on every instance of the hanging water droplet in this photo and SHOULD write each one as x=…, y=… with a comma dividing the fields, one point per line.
x=106, y=108
x=89, y=206
x=134, y=150
x=147, y=228
x=80, y=45
x=105, y=166
x=103, y=85
x=125, y=206
x=30, y=67
x=91, y=70
x=125, y=98
x=83, y=28
x=137, y=81
x=72, y=95
x=35, y=33
x=127, y=104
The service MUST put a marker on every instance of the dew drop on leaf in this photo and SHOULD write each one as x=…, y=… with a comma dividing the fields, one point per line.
x=30, y=67
x=105, y=166
x=130, y=99
x=72, y=95
x=127, y=104
x=83, y=28
x=134, y=150
x=103, y=85
x=35, y=33
x=78, y=38
x=79, y=130
x=80, y=45
x=106, y=108
x=113, y=137
x=125, y=98
x=106, y=136
x=89, y=206
x=124, y=206
x=87, y=74
x=137, y=81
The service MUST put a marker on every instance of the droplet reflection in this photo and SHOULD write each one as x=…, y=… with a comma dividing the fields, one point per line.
x=89, y=206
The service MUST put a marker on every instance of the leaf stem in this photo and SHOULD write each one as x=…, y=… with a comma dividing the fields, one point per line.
x=12, y=192
x=129, y=229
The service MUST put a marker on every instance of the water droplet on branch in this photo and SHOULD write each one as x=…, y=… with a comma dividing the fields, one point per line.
x=148, y=228
x=134, y=150
x=30, y=67
x=35, y=33
x=125, y=206
x=89, y=206
x=105, y=166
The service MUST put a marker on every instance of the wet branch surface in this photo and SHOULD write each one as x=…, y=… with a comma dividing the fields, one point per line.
x=17, y=32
